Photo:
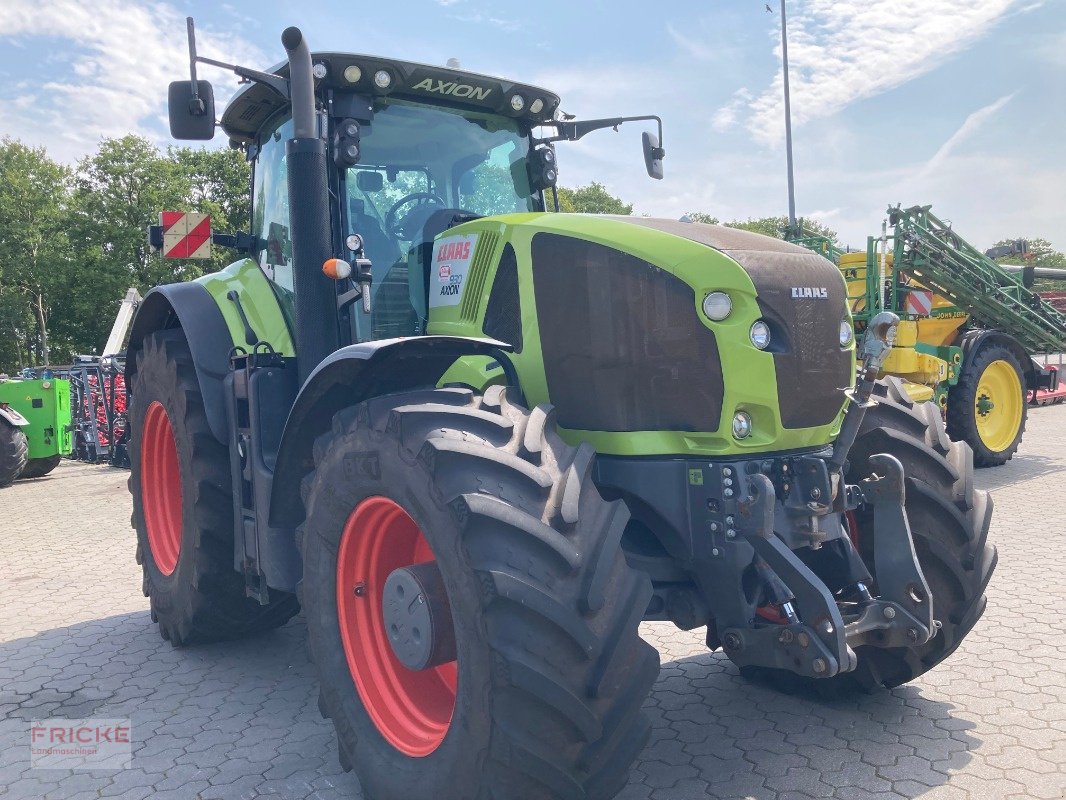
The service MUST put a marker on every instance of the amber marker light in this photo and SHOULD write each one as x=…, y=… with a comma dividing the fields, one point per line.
x=336, y=268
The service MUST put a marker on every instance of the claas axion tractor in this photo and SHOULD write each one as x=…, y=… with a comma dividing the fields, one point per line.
x=477, y=443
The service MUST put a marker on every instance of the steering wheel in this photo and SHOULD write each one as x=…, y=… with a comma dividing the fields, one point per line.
x=397, y=227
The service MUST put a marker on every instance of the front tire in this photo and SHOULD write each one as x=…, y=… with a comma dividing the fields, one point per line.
x=13, y=448
x=949, y=522
x=544, y=698
x=182, y=506
x=39, y=467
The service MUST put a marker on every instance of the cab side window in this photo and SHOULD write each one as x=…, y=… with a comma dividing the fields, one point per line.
x=270, y=218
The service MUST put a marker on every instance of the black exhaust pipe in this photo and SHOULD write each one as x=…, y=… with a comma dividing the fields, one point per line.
x=309, y=221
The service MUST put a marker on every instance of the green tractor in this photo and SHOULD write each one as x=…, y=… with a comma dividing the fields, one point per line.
x=35, y=426
x=477, y=443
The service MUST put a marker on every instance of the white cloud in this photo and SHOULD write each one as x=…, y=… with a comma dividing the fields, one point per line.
x=692, y=47
x=971, y=124
x=727, y=116
x=842, y=52
x=121, y=58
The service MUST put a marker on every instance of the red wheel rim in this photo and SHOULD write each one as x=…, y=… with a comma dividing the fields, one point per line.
x=161, y=488
x=412, y=710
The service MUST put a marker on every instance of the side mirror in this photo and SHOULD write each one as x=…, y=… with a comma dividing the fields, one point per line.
x=653, y=155
x=192, y=114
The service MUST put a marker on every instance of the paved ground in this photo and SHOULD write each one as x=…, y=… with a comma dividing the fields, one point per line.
x=240, y=719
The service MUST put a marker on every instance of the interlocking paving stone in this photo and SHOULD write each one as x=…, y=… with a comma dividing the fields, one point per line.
x=240, y=720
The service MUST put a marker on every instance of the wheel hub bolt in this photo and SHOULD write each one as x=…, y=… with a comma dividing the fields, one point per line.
x=889, y=612
x=819, y=665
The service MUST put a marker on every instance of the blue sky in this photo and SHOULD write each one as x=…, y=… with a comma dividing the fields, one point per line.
x=958, y=104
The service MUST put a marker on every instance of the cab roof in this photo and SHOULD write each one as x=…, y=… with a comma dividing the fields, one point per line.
x=255, y=104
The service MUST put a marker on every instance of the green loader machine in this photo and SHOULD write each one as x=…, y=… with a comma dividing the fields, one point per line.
x=476, y=443
x=35, y=426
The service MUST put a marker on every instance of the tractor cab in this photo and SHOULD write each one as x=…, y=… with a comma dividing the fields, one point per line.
x=417, y=149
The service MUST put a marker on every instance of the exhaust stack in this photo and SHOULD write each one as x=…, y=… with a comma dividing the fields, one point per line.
x=316, y=295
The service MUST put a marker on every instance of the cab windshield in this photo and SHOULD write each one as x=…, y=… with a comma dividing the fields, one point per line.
x=418, y=166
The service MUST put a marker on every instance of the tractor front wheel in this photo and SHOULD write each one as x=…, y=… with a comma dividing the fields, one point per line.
x=183, y=506
x=471, y=615
x=949, y=522
x=12, y=452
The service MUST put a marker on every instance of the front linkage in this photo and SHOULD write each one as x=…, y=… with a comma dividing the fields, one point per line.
x=778, y=569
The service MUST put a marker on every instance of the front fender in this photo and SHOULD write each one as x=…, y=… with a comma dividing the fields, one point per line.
x=191, y=307
x=350, y=376
x=12, y=416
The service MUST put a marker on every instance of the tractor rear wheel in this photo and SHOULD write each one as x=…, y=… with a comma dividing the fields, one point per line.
x=987, y=408
x=39, y=467
x=13, y=449
x=182, y=506
x=470, y=611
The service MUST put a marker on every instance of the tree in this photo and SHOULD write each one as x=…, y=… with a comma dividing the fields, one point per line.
x=1041, y=254
x=768, y=226
x=592, y=199
x=34, y=258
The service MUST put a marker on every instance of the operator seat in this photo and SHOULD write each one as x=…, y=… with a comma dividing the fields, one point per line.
x=391, y=314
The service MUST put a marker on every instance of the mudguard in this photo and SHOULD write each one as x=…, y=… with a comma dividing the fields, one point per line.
x=192, y=308
x=12, y=416
x=972, y=341
x=350, y=376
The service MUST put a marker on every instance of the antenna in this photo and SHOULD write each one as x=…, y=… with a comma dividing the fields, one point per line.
x=788, y=122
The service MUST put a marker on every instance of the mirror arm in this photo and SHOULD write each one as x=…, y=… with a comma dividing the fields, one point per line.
x=196, y=105
x=275, y=82
x=572, y=131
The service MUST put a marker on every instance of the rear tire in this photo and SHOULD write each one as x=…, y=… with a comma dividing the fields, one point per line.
x=13, y=450
x=551, y=669
x=993, y=434
x=39, y=467
x=183, y=505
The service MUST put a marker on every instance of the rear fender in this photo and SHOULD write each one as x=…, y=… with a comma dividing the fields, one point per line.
x=350, y=376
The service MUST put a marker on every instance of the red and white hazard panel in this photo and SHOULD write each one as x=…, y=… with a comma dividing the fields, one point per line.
x=918, y=302
x=186, y=235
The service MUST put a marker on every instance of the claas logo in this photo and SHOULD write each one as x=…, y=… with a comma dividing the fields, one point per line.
x=454, y=251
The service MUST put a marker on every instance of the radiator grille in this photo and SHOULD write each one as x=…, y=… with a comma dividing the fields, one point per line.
x=479, y=271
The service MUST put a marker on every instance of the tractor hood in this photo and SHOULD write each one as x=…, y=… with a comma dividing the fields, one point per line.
x=608, y=318
x=802, y=296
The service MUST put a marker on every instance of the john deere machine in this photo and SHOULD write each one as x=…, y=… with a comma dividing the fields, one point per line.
x=478, y=443
x=969, y=329
x=35, y=425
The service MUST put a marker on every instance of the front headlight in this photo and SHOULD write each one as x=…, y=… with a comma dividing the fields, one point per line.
x=717, y=306
x=742, y=425
x=760, y=334
x=847, y=333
